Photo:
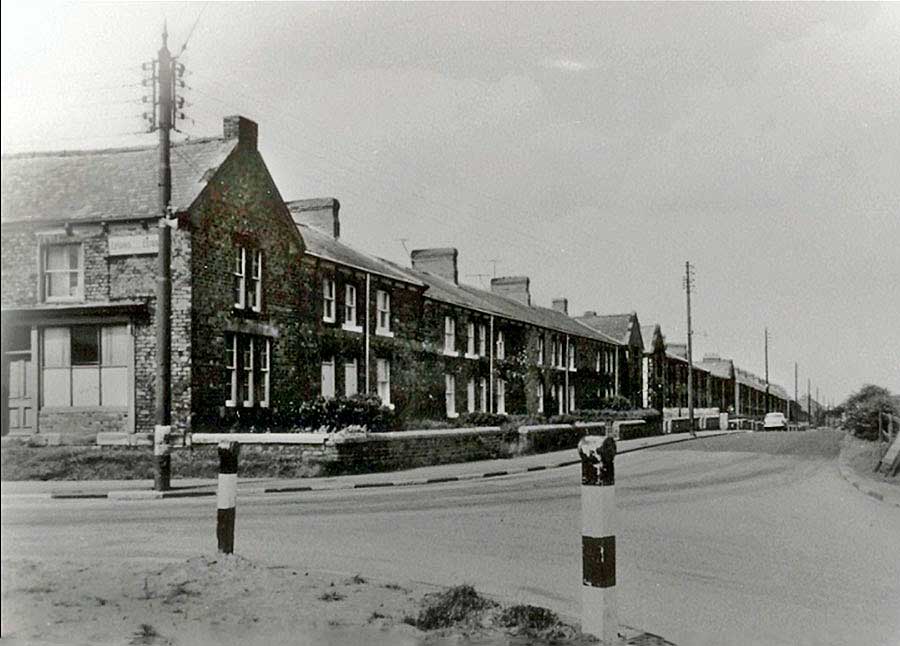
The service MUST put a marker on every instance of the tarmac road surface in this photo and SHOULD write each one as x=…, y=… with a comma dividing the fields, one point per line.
x=746, y=539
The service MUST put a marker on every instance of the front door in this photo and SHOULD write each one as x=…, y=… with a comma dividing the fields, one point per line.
x=19, y=399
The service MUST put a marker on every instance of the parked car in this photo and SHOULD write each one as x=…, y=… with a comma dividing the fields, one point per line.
x=775, y=422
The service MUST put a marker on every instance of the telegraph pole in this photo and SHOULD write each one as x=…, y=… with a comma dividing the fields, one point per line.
x=767, y=367
x=796, y=399
x=688, y=280
x=809, y=400
x=161, y=117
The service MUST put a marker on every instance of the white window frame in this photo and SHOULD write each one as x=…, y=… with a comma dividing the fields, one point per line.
x=501, y=346
x=327, y=385
x=248, y=371
x=482, y=340
x=597, y=362
x=450, y=337
x=450, y=395
x=328, y=300
x=350, y=309
x=383, y=313
x=470, y=341
x=571, y=397
x=560, y=399
x=351, y=366
x=265, y=359
x=540, y=398
x=470, y=395
x=571, y=347
x=483, y=396
x=501, y=397
x=383, y=380
x=540, y=352
x=46, y=273
x=239, y=274
x=256, y=267
x=232, y=367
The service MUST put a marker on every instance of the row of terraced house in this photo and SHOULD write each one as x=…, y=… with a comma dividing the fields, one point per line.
x=271, y=308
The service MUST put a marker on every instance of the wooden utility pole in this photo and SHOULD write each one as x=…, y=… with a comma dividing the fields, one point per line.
x=809, y=401
x=688, y=281
x=164, y=71
x=796, y=400
x=767, y=368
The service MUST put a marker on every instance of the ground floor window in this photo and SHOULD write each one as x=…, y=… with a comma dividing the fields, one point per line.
x=540, y=398
x=470, y=396
x=247, y=359
x=450, y=394
x=501, y=397
x=351, y=378
x=484, y=395
x=85, y=365
x=383, y=380
x=328, y=378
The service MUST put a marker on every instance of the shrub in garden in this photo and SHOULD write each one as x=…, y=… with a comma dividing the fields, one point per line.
x=333, y=414
x=861, y=410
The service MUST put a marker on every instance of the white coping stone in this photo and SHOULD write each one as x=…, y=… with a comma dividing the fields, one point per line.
x=259, y=438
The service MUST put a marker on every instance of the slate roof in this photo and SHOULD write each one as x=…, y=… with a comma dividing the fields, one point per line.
x=615, y=326
x=648, y=333
x=108, y=184
x=474, y=298
x=322, y=245
x=717, y=367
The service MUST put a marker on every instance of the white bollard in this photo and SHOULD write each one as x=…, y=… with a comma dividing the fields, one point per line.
x=598, y=538
x=226, y=496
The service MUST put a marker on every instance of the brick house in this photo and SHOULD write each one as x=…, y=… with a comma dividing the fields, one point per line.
x=653, y=371
x=625, y=332
x=79, y=250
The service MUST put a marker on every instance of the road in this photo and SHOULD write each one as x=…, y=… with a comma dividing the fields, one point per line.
x=722, y=541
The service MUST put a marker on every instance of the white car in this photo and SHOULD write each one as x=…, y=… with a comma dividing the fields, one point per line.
x=775, y=422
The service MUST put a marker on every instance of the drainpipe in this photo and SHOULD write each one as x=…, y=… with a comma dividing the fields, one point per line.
x=368, y=317
x=491, y=380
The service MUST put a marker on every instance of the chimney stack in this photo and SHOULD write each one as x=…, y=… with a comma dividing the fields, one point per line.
x=588, y=313
x=242, y=129
x=321, y=213
x=561, y=305
x=514, y=287
x=438, y=262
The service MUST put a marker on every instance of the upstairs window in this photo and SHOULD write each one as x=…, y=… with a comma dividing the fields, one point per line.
x=449, y=335
x=571, y=347
x=240, y=277
x=254, y=288
x=350, y=305
x=383, y=306
x=482, y=340
x=63, y=272
x=501, y=346
x=540, y=351
x=470, y=336
x=247, y=285
x=597, y=362
x=328, y=300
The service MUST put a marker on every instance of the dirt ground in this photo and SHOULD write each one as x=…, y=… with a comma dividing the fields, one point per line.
x=231, y=600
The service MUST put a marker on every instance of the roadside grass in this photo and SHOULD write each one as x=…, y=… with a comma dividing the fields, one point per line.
x=457, y=605
x=19, y=462
x=863, y=457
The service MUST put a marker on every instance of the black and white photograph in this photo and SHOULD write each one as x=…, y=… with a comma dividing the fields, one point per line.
x=450, y=323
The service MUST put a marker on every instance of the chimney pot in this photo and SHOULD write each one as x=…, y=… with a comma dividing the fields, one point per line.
x=242, y=129
x=440, y=262
x=514, y=287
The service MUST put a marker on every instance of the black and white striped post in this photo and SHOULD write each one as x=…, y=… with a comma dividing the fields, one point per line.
x=598, y=538
x=226, y=495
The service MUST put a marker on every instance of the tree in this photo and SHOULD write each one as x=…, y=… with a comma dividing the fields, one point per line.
x=863, y=408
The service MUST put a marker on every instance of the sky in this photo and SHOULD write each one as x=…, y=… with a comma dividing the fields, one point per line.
x=593, y=147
